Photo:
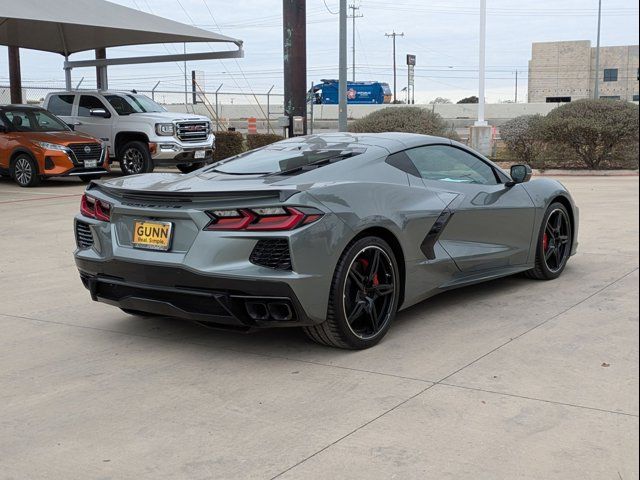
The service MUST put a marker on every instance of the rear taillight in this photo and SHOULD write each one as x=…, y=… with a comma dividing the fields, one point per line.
x=262, y=219
x=93, y=208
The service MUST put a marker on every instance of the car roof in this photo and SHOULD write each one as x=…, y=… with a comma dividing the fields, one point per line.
x=19, y=106
x=390, y=141
x=94, y=92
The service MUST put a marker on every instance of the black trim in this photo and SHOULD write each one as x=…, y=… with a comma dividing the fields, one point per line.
x=179, y=292
x=429, y=242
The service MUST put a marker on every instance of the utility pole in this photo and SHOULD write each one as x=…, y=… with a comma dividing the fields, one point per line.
x=342, y=66
x=596, y=90
x=295, y=62
x=353, y=17
x=393, y=36
x=516, y=96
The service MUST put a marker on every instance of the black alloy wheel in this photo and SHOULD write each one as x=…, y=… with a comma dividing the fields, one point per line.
x=135, y=158
x=364, y=297
x=554, y=244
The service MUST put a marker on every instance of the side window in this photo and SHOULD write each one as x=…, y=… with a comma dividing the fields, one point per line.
x=20, y=121
x=60, y=104
x=451, y=164
x=87, y=102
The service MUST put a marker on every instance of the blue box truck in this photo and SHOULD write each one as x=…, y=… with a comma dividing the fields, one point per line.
x=362, y=93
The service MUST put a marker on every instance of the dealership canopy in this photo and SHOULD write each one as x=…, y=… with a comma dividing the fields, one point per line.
x=71, y=26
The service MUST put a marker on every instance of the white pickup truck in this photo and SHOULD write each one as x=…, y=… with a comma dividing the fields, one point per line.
x=139, y=133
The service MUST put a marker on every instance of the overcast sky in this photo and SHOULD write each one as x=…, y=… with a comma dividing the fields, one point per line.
x=443, y=35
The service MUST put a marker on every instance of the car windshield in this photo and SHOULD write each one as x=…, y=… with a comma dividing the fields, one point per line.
x=33, y=120
x=280, y=160
x=126, y=104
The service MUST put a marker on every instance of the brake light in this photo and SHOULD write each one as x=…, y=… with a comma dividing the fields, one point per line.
x=262, y=219
x=93, y=208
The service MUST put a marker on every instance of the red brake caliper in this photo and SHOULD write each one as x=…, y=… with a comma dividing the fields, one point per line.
x=365, y=263
x=545, y=242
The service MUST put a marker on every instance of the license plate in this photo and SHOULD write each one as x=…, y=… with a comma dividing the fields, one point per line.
x=90, y=163
x=199, y=154
x=152, y=235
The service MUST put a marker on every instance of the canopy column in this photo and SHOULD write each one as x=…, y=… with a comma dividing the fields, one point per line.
x=102, y=80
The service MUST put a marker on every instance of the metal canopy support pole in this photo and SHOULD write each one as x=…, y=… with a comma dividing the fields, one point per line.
x=15, y=78
x=102, y=82
x=294, y=16
x=67, y=73
x=483, y=34
x=596, y=90
x=342, y=69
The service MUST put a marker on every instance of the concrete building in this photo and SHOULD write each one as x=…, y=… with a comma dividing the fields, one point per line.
x=565, y=71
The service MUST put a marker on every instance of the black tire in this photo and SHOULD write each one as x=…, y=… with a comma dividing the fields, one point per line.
x=88, y=178
x=553, y=248
x=337, y=330
x=134, y=158
x=24, y=171
x=185, y=168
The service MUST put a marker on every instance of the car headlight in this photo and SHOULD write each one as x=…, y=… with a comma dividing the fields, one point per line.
x=52, y=146
x=164, y=129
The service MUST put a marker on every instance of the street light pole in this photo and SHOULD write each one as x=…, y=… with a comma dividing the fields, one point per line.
x=393, y=36
x=596, y=90
x=483, y=35
x=342, y=67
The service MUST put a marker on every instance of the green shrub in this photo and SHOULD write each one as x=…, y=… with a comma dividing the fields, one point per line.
x=257, y=140
x=228, y=144
x=523, y=138
x=594, y=130
x=403, y=119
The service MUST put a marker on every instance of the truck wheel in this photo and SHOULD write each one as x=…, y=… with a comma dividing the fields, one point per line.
x=186, y=168
x=135, y=158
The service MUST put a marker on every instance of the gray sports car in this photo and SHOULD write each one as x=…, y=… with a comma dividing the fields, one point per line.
x=334, y=233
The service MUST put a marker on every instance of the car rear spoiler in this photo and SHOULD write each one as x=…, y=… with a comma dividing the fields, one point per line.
x=281, y=194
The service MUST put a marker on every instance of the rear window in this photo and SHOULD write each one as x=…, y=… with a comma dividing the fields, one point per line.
x=60, y=104
x=282, y=160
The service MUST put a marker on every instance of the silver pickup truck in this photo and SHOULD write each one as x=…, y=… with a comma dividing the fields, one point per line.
x=139, y=133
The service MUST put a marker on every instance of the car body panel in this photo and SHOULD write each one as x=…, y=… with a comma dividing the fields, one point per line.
x=491, y=230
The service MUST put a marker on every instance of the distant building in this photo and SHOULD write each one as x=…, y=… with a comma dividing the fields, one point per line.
x=565, y=71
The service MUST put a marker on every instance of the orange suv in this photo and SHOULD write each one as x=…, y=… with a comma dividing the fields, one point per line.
x=35, y=144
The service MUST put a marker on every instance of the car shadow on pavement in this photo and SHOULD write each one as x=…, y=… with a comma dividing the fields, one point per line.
x=275, y=341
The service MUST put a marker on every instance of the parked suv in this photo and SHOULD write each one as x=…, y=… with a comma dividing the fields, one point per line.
x=34, y=144
x=139, y=133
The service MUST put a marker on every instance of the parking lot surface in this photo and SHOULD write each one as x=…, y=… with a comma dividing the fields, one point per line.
x=511, y=379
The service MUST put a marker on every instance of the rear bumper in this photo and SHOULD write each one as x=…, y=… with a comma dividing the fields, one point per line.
x=178, y=292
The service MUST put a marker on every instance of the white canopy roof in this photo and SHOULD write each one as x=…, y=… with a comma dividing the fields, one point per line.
x=70, y=26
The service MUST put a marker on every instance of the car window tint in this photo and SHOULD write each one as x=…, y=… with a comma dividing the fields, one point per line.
x=87, y=102
x=19, y=120
x=60, y=104
x=451, y=164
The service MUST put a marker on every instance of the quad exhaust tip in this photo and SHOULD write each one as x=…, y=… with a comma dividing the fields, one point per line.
x=263, y=311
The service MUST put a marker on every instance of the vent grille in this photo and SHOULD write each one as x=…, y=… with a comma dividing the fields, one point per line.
x=84, y=237
x=272, y=253
x=86, y=151
x=192, y=131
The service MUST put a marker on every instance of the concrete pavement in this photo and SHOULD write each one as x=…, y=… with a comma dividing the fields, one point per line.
x=510, y=379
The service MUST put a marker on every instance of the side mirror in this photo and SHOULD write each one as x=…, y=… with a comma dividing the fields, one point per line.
x=519, y=174
x=99, y=112
x=71, y=126
x=3, y=128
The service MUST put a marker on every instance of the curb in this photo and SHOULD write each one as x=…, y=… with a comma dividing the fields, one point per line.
x=585, y=173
